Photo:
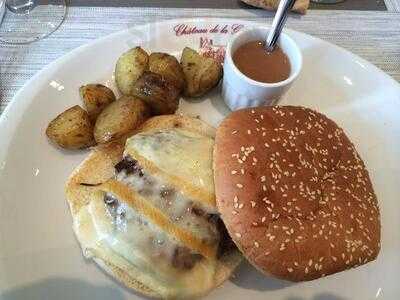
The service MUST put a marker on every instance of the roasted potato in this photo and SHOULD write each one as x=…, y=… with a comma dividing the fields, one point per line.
x=95, y=98
x=168, y=67
x=161, y=95
x=71, y=129
x=130, y=66
x=120, y=118
x=201, y=73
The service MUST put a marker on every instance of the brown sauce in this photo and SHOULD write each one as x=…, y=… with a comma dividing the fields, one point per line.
x=256, y=63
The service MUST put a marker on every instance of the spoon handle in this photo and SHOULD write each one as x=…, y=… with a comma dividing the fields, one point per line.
x=278, y=23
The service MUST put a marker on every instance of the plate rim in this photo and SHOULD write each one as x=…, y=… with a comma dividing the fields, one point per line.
x=10, y=119
x=11, y=115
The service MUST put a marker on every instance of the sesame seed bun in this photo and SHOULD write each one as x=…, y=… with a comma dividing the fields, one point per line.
x=294, y=193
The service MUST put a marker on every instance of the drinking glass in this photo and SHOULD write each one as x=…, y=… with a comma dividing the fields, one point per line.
x=26, y=21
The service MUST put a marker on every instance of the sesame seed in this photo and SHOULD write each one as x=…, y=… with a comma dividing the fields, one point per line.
x=306, y=270
x=235, y=199
x=238, y=235
x=239, y=185
x=290, y=270
x=263, y=219
x=267, y=253
x=234, y=132
x=310, y=262
x=241, y=205
x=248, y=131
x=256, y=244
x=253, y=204
x=233, y=172
x=234, y=212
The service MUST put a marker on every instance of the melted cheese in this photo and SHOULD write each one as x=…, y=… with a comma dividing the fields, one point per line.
x=129, y=248
x=172, y=203
x=139, y=247
x=182, y=154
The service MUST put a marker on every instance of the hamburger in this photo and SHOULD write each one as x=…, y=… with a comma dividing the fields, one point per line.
x=294, y=193
x=145, y=210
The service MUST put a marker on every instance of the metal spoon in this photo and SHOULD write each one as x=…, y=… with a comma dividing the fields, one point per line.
x=278, y=23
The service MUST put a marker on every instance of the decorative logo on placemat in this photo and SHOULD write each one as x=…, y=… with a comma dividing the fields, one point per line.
x=212, y=40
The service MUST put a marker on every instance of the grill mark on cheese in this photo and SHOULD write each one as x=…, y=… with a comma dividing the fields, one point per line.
x=181, y=210
x=189, y=171
x=157, y=217
x=152, y=240
x=186, y=188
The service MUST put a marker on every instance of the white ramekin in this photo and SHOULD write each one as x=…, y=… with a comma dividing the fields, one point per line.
x=238, y=90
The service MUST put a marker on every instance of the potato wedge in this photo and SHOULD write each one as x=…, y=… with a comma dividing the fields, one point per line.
x=130, y=66
x=120, y=118
x=201, y=73
x=71, y=129
x=168, y=67
x=95, y=98
x=161, y=96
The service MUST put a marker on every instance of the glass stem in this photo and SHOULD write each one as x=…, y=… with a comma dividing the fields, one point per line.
x=20, y=6
x=2, y=10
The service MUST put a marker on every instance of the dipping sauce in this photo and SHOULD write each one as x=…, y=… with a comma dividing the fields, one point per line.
x=258, y=64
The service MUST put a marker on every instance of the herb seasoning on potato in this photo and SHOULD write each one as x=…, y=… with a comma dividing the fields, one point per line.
x=71, y=129
x=161, y=95
x=168, y=67
x=130, y=66
x=120, y=118
x=201, y=73
x=95, y=98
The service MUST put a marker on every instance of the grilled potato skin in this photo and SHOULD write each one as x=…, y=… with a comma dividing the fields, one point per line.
x=201, y=73
x=120, y=118
x=130, y=66
x=72, y=129
x=160, y=95
x=95, y=98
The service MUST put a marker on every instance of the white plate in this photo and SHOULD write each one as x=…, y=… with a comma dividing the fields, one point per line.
x=39, y=256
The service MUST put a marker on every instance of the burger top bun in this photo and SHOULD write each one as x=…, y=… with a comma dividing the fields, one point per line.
x=294, y=193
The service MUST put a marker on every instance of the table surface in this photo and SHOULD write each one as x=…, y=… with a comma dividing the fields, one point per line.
x=347, y=5
x=373, y=35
